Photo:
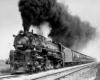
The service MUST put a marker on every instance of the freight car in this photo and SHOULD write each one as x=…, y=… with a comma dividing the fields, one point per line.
x=35, y=53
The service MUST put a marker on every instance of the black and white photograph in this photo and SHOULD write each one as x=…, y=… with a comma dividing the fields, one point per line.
x=49, y=39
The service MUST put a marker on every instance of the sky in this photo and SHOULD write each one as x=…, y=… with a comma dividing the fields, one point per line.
x=11, y=23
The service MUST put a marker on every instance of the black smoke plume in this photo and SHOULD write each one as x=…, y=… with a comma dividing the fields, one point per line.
x=35, y=12
x=66, y=29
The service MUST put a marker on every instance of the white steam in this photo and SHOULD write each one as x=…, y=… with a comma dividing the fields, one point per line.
x=35, y=30
x=44, y=30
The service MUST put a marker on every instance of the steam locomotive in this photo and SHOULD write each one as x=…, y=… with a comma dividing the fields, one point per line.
x=34, y=53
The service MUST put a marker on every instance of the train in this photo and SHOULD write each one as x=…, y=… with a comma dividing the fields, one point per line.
x=34, y=53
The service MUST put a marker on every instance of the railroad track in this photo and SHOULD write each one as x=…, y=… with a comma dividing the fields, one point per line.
x=48, y=75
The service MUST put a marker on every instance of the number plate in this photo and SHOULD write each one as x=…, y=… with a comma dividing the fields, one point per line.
x=19, y=45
